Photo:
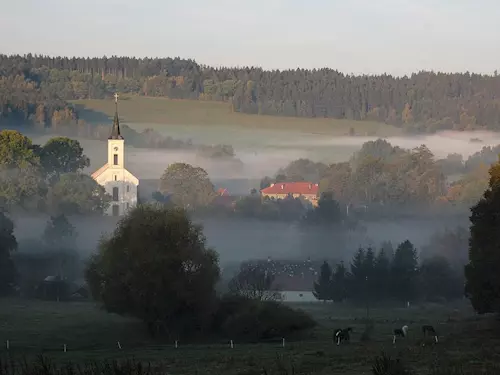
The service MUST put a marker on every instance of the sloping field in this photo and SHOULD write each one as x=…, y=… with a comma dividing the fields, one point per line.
x=137, y=109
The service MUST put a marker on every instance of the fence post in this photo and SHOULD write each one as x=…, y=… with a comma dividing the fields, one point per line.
x=64, y=348
x=119, y=345
x=176, y=344
x=283, y=342
x=7, y=345
x=231, y=343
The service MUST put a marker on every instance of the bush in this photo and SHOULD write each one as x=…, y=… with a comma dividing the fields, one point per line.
x=385, y=365
x=252, y=320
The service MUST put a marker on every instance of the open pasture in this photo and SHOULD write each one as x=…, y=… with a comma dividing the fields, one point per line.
x=162, y=111
x=35, y=327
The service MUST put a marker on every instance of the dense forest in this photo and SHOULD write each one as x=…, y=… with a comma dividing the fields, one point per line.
x=35, y=89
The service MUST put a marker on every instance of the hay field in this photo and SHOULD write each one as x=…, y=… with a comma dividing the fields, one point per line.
x=35, y=327
x=162, y=111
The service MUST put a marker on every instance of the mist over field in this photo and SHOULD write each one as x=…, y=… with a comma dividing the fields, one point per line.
x=263, y=152
x=241, y=239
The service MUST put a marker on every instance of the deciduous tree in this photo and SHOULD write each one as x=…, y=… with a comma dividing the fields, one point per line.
x=76, y=193
x=20, y=180
x=60, y=233
x=189, y=187
x=157, y=267
x=62, y=155
x=254, y=283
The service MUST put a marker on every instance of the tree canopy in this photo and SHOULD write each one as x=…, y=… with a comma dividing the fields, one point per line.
x=8, y=244
x=47, y=178
x=421, y=102
x=59, y=233
x=77, y=193
x=156, y=266
x=482, y=276
x=63, y=155
x=188, y=186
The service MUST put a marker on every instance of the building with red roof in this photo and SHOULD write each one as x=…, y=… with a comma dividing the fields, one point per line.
x=282, y=190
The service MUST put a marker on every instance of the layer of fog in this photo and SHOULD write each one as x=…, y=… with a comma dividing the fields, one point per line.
x=274, y=153
x=238, y=240
x=241, y=239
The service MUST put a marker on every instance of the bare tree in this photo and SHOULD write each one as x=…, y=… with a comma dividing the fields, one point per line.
x=255, y=283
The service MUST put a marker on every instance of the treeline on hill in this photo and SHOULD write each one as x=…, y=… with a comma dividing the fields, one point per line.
x=374, y=277
x=36, y=87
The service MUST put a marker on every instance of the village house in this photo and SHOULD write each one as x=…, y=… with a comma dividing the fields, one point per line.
x=224, y=199
x=282, y=190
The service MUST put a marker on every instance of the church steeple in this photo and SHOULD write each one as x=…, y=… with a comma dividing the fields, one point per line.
x=115, y=131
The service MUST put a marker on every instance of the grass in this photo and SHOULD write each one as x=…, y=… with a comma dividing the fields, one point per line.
x=137, y=109
x=35, y=327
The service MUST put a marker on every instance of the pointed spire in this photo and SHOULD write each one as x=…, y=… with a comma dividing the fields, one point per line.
x=115, y=131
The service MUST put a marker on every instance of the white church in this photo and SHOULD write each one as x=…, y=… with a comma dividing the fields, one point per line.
x=116, y=179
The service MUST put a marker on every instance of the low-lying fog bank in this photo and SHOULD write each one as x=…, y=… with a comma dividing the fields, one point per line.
x=266, y=159
x=237, y=240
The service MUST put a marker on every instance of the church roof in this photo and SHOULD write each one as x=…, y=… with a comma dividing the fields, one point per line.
x=104, y=168
x=99, y=171
x=115, y=130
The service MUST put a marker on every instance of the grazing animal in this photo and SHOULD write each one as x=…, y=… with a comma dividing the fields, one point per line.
x=428, y=329
x=342, y=335
x=400, y=332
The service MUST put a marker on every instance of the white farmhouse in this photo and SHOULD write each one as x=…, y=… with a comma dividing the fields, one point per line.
x=118, y=181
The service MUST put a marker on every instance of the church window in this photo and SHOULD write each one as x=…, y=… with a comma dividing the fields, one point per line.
x=116, y=210
x=128, y=205
x=115, y=159
x=115, y=194
x=128, y=188
x=115, y=177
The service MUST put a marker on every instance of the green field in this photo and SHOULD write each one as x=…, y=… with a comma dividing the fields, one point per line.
x=163, y=111
x=35, y=327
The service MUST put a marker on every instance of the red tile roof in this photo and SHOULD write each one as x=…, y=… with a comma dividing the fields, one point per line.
x=223, y=192
x=292, y=188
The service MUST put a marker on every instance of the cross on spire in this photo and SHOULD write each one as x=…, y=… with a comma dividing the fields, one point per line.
x=116, y=97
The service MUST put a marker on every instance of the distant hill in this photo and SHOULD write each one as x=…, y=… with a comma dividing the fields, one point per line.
x=35, y=89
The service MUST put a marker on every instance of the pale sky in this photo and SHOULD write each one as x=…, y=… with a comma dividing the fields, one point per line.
x=353, y=36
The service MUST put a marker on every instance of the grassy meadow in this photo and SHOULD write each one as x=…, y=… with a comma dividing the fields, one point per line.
x=277, y=140
x=35, y=327
x=162, y=111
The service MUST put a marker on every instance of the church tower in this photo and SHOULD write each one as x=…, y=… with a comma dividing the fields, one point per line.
x=116, y=143
x=118, y=182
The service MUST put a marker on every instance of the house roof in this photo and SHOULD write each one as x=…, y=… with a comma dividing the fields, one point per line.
x=292, y=188
x=297, y=283
x=99, y=171
x=222, y=192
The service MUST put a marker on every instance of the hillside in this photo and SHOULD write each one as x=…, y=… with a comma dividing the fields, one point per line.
x=139, y=109
x=35, y=90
